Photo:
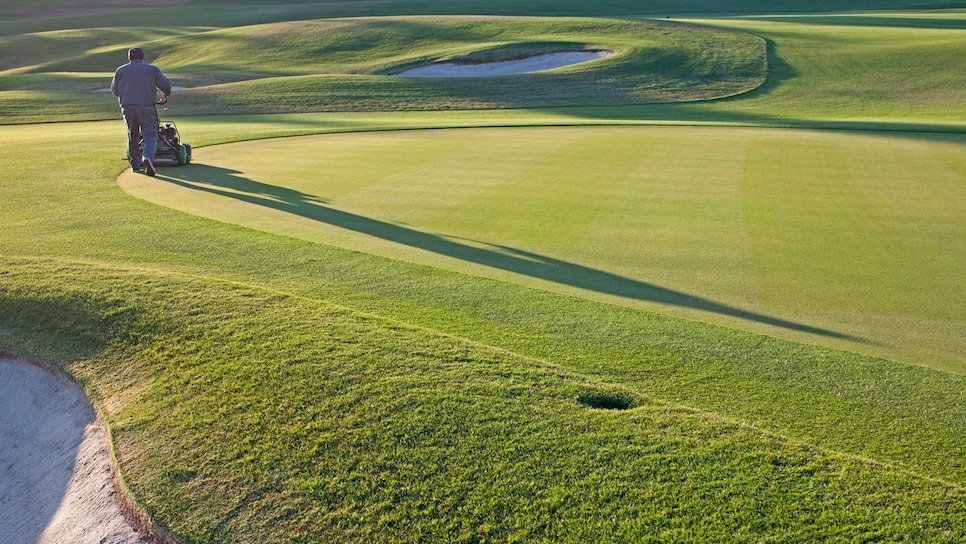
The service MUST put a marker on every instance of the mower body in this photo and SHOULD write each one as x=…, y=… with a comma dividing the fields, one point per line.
x=171, y=150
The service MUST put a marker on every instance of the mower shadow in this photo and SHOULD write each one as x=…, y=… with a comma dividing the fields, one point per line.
x=230, y=184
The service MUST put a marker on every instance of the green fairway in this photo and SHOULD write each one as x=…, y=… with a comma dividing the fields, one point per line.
x=709, y=289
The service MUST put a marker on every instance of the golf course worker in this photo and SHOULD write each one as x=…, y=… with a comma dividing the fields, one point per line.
x=136, y=85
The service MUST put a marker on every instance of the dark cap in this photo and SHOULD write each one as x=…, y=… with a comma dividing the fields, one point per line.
x=135, y=53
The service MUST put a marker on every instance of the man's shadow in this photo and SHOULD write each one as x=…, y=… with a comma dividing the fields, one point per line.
x=231, y=184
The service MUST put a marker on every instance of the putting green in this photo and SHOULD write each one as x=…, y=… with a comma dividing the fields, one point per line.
x=849, y=239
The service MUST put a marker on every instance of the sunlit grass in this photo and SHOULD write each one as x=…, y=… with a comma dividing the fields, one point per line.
x=817, y=228
x=265, y=387
x=173, y=358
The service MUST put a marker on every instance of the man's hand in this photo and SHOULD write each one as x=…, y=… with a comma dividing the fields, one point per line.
x=164, y=99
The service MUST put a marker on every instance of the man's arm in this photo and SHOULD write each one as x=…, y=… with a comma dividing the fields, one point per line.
x=114, y=84
x=163, y=83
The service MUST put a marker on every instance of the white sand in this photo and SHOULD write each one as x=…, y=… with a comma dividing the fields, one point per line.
x=536, y=63
x=56, y=483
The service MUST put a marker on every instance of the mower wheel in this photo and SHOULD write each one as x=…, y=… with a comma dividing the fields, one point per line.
x=184, y=154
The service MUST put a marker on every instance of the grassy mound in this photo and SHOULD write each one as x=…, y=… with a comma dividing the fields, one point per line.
x=343, y=65
x=40, y=15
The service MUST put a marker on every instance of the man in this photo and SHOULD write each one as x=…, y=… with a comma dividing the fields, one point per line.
x=136, y=85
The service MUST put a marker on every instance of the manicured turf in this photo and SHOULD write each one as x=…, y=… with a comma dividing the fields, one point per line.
x=264, y=385
x=790, y=232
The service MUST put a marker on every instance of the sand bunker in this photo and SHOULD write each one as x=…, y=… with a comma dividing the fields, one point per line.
x=536, y=63
x=56, y=482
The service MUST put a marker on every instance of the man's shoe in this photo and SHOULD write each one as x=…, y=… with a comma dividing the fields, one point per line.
x=149, y=167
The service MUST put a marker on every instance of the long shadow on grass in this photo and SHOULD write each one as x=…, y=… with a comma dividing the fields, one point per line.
x=228, y=183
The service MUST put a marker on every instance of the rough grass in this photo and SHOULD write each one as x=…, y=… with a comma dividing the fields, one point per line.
x=240, y=414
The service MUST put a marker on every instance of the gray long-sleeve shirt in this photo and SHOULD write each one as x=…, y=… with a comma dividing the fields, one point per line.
x=137, y=83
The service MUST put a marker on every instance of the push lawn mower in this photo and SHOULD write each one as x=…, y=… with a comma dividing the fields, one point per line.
x=171, y=150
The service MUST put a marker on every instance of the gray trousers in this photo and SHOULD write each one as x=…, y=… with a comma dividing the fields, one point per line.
x=142, y=124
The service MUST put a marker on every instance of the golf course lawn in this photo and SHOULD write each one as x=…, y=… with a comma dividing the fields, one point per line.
x=856, y=239
x=724, y=303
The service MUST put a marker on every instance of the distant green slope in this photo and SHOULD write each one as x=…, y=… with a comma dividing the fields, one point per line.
x=340, y=65
x=93, y=13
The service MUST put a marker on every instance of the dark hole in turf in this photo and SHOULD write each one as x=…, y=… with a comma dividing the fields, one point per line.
x=606, y=401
